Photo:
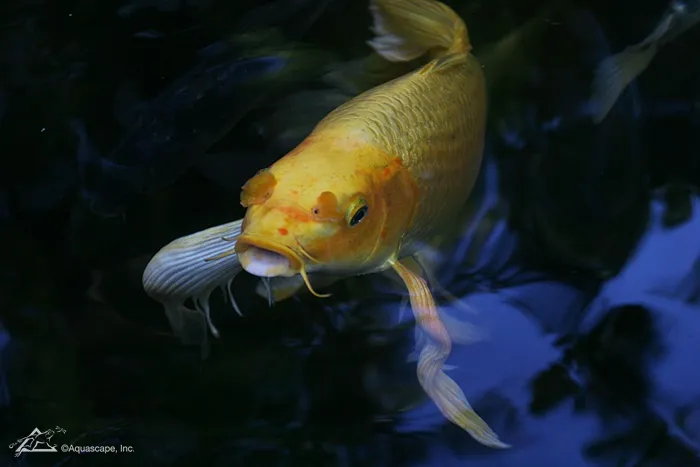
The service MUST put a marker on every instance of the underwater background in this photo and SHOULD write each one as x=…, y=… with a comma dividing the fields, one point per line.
x=125, y=125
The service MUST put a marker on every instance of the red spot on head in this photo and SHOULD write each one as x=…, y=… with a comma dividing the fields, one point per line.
x=383, y=234
x=283, y=231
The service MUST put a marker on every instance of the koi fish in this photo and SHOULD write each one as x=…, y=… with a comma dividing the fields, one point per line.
x=374, y=182
x=616, y=72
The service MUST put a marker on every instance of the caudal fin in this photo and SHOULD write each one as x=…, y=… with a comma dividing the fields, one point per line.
x=407, y=29
x=192, y=267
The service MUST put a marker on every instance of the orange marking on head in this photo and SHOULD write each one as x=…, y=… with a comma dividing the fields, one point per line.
x=327, y=208
x=295, y=214
x=283, y=231
x=391, y=168
x=258, y=189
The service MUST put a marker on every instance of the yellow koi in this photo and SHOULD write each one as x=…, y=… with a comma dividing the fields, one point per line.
x=376, y=181
x=379, y=177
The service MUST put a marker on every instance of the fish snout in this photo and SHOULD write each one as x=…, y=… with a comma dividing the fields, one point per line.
x=264, y=258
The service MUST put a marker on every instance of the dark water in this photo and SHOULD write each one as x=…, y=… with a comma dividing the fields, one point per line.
x=126, y=125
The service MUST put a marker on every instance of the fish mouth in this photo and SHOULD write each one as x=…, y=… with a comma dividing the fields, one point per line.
x=265, y=258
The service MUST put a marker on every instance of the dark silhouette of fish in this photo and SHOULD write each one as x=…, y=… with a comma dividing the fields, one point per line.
x=172, y=133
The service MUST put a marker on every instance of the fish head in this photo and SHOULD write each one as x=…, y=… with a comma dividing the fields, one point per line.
x=310, y=212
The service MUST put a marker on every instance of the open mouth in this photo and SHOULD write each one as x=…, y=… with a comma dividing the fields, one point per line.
x=266, y=259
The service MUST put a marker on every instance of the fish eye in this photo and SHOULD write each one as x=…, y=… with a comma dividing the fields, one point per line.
x=360, y=214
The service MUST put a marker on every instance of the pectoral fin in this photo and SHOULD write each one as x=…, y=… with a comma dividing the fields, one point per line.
x=441, y=388
x=614, y=74
x=458, y=330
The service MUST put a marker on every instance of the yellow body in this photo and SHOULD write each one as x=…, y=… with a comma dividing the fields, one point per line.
x=412, y=148
x=381, y=176
x=434, y=123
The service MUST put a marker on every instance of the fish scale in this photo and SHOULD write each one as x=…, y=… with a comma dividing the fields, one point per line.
x=436, y=126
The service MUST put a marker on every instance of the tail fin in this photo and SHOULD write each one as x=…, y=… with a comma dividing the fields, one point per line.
x=407, y=29
x=180, y=271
